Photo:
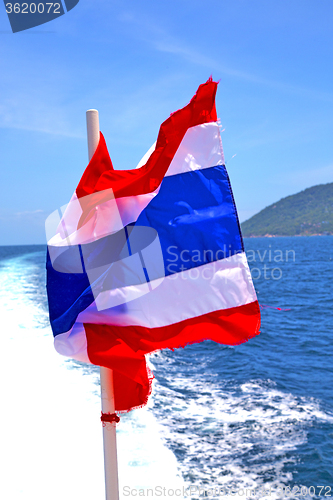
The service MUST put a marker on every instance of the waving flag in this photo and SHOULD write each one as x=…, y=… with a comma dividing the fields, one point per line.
x=153, y=257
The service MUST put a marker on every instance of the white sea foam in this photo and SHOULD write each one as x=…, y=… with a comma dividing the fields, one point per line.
x=234, y=436
x=51, y=437
x=213, y=433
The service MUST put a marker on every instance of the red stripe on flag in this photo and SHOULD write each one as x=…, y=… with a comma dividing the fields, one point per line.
x=100, y=175
x=123, y=348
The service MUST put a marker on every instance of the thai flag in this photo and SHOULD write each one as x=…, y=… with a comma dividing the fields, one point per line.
x=153, y=257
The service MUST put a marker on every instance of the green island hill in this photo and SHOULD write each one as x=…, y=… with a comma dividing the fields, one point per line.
x=307, y=213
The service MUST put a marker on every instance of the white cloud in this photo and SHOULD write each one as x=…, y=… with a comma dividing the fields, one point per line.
x=35, y=114
x=162, y=41
x=29, y=212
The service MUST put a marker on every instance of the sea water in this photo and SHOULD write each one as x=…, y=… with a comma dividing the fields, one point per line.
x=254, y=420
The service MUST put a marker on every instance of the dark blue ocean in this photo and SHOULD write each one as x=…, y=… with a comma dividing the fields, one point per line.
x=258, y=415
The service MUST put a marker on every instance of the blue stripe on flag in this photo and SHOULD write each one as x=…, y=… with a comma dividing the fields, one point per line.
x=68, y=294
x=195, y=217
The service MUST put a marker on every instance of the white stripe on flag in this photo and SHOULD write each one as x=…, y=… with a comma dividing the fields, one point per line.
x=222, y=284
x=219, y=285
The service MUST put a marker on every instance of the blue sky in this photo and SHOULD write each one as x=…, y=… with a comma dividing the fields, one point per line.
x=136, y=62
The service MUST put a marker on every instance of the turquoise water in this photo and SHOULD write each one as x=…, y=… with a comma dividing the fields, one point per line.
x=254, y=415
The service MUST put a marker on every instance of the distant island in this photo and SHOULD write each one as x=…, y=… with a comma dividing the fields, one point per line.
x=307, y=213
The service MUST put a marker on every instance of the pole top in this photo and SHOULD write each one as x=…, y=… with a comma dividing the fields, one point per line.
x=92, y=131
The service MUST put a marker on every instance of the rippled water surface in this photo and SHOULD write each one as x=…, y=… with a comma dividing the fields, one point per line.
x=253, y=415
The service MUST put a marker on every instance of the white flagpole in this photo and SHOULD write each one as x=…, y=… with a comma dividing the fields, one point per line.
x=106, y=375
